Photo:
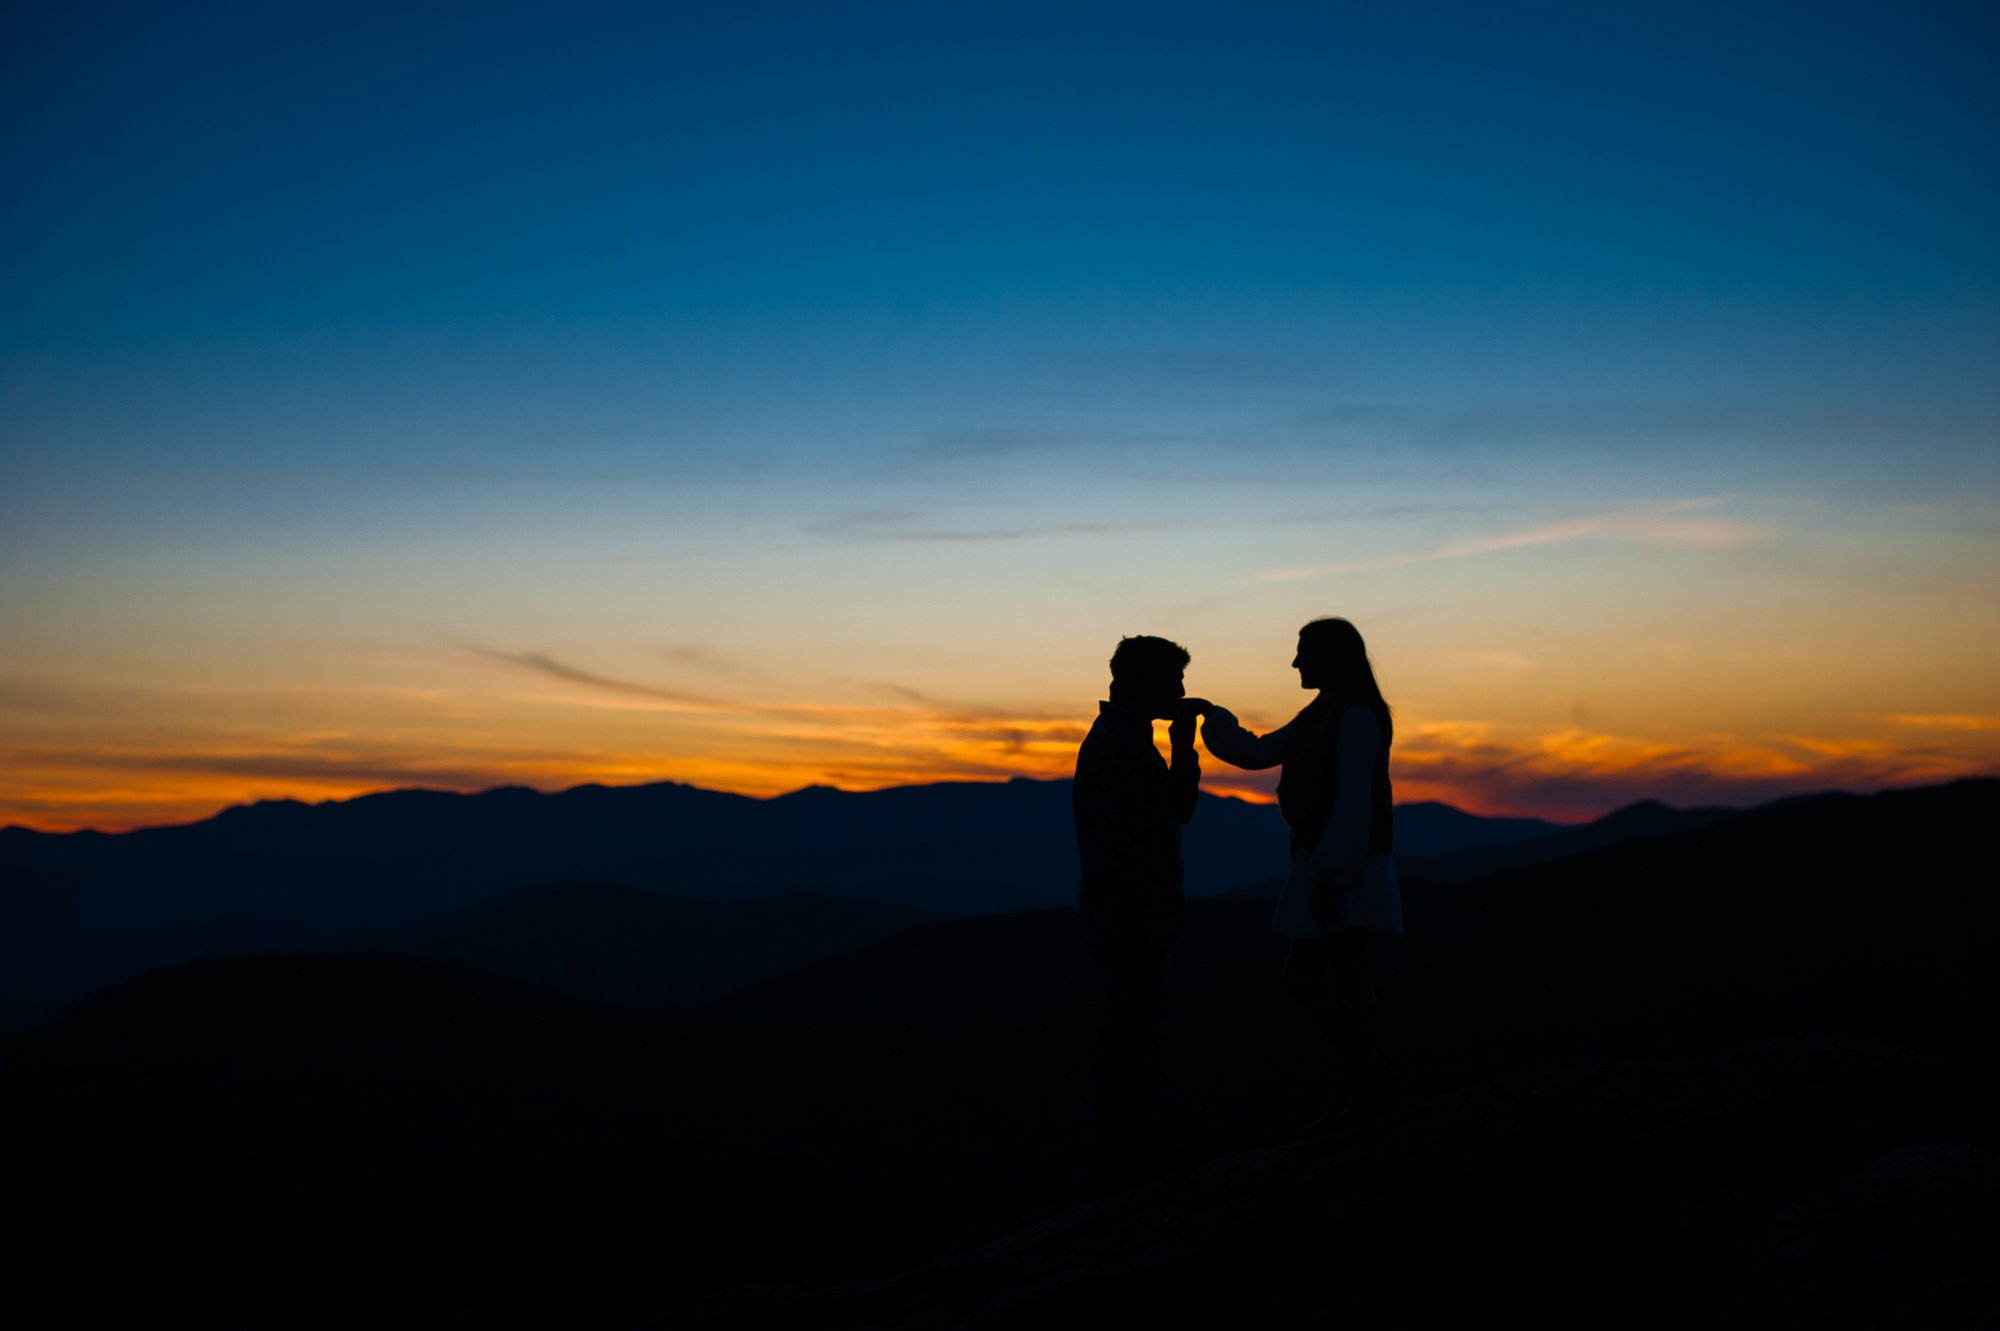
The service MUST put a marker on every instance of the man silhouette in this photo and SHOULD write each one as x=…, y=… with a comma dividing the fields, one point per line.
x=1129, y=807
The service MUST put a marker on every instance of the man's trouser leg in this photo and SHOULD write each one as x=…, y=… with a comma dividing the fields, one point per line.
x=1118, y=1115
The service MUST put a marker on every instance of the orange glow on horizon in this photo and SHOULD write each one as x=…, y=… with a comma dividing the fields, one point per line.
x=1567, y=775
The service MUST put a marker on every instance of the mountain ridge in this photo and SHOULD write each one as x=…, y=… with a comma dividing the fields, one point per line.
x=82, y=910
x=678, y=815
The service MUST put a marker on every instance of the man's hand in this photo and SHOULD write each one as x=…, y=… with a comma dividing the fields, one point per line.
x=1161, y=935
x=1191, y=710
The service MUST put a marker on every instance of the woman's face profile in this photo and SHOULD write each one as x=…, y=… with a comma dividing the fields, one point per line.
x=1311, y=669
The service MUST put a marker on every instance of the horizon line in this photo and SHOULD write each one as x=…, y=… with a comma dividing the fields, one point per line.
x=1243, y=795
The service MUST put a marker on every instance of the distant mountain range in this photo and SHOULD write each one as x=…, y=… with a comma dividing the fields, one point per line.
x=1523, y=841
x=82, y=910
x=157, y=1142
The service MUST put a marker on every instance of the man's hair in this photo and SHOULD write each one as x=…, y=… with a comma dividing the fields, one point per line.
x=1143, y=660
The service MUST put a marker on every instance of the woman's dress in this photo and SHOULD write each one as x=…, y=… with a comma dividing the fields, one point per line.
x=1367, y=895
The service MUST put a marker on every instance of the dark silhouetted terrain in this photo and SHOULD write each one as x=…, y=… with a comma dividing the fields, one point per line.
x=82, y=911
x=167, y=1140
x=1630, y=1195
x=1426, y=829
x=1477, y=858
x=606, y=943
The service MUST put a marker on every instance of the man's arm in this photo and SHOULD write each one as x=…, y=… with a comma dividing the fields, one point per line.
x=1184, y=777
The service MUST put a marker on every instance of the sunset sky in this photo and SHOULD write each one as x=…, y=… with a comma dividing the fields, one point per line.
x=761, y=395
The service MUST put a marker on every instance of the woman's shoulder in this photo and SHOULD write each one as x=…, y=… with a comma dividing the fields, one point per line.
x=1358, y=719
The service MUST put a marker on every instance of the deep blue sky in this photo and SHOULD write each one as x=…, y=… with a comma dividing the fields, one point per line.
x=176, y=170
x=763, y=394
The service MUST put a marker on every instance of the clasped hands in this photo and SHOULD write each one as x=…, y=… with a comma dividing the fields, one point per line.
x=1188, y=712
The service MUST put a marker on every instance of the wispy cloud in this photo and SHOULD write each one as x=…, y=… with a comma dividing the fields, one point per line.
x=334, y=762
x=118, y=783
x=886, y=526
x=876, y=529
x=1655, y=525
x=715, y=663
x=1951, y=722
x=554, y=669
x=921, y=738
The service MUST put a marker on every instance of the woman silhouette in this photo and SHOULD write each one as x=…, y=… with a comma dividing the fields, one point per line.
x=1335, y=797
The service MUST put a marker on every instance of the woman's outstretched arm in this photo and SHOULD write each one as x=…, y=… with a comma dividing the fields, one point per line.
x=1236, y=746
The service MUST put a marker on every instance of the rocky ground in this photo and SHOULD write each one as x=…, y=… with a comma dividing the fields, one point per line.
x=1759, y=1188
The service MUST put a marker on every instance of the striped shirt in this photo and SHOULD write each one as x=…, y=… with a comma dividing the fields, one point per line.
x=1129, y=809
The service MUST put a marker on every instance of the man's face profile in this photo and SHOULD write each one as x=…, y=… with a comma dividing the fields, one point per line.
x=1161, y=694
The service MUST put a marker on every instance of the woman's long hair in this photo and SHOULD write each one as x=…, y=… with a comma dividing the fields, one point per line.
x=1339, y=643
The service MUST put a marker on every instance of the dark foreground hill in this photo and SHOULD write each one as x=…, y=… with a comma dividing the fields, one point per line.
x=607, y=943
x=166, y=1142
x=1633, y=1195
x=162, y=1139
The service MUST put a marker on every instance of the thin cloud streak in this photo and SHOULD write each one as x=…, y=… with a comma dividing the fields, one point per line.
x=351, y=768
x=554, y=669
x=1649, y=524
x=1019, y=534
x=1949, y=722
x=864, y=527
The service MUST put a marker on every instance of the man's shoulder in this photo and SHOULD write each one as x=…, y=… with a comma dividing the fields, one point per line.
x=1109, y=728
x=1110, y=743
x=1100, y=746
x=1110, y=732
